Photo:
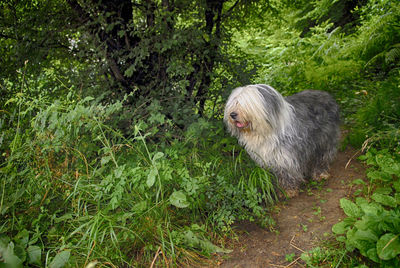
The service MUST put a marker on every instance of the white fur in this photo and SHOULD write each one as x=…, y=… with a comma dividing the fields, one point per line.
x=262, y=139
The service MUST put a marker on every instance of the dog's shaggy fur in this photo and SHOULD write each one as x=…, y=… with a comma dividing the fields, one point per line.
x=295, y=137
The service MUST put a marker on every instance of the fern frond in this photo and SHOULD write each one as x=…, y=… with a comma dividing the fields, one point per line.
x=393, y=54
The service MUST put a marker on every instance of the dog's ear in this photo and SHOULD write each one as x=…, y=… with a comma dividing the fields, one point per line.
x=272, y=99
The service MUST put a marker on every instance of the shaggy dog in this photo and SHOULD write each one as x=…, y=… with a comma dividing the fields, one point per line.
x=295, y=137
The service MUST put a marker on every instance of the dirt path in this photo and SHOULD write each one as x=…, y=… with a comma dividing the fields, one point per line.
x=302, y=222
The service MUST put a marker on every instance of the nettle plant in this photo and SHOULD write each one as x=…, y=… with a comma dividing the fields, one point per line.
x=372, y=225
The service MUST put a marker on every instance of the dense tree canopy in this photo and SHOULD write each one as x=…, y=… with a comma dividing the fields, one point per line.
x=157, y=49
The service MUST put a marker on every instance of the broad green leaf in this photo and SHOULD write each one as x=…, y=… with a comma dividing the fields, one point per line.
x=371, y=208
x=379, y=175
x=118, y=171
x=340, y=227
x=65, y=217
x=60, y=259
x=388, y=164
x=178, y=199
x=383, y=199
x=361, y=200
x=367, y=235
x=383, y=190
x=20, y=252
x=35, y=254
x=349, y=208
x=388, y=246
x=8, y=256
x=157, y=156
x=373, y=255
x=151, y=177
x=22, y=238
x=350, y=245
x=87, y=99
x=105, y=159
x=362, y=157
x=140, y=207
x=204, y=244
x=358, y=182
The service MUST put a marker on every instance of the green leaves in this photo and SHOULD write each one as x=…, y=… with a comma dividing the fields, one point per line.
x=349, y=208
x=373, y=227
x=20, y=252
x=8, y=254
x=193, y=237
x=34, y=254
x=342, y=226
x=151, y=177
x=178, y=199
x=384, y=199
x=196, y=241
x=60, y=259
x=366, y=228
x=388, y=246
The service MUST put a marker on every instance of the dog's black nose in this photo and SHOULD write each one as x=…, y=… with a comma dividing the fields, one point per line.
x=233, y=115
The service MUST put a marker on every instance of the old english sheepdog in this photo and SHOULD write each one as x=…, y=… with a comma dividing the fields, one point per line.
x=295, y=137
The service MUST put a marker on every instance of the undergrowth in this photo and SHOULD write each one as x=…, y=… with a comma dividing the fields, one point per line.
x=75, y=191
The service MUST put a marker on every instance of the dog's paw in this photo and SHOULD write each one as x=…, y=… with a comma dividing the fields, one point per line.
x=321, y=176
x=282, y=195
x=292, y=193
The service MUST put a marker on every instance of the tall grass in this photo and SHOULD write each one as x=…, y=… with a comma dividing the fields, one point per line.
x=76, y=191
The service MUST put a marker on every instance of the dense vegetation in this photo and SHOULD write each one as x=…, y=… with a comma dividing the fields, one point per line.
x=112, y=147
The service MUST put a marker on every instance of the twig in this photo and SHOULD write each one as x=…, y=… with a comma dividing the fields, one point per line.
x=293, y=245
x=165, y=258
x=285, y=266
x=90, y=253
x=44, y=197
x=293, y=262
x=278, y=265
x=297, y=248
x=155, y=257
x=351, y=158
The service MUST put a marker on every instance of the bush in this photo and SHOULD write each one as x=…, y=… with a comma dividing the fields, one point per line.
x=78, y=190
x=372, y=225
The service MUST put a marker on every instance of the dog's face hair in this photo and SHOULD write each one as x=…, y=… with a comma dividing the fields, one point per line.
x=257, y=109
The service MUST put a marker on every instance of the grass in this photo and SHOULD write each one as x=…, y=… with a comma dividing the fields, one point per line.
x=82, y=192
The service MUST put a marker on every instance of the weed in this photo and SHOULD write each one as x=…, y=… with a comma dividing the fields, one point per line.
x=290, y=257
x=304, y=227
x=90, y=193
x=372, y=225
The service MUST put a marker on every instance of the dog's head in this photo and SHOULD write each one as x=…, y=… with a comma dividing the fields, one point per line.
x=256, y=109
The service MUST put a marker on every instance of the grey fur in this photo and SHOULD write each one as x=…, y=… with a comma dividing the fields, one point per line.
x=298, y=136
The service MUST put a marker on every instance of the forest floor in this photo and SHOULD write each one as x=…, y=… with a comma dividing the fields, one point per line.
x=302, y=222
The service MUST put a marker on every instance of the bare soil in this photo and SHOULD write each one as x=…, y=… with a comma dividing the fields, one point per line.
x=303, y=222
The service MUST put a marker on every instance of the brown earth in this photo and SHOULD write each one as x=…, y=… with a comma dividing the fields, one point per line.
x=303, y=222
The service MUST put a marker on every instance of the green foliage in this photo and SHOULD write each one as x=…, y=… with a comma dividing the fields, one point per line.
x=89, y=193
x=378, y=121
x=34, y=31
x=145, y=171
x=372, y=225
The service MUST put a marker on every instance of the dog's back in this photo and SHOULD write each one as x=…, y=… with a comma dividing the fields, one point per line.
x=317, y=122
x=315, y=105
